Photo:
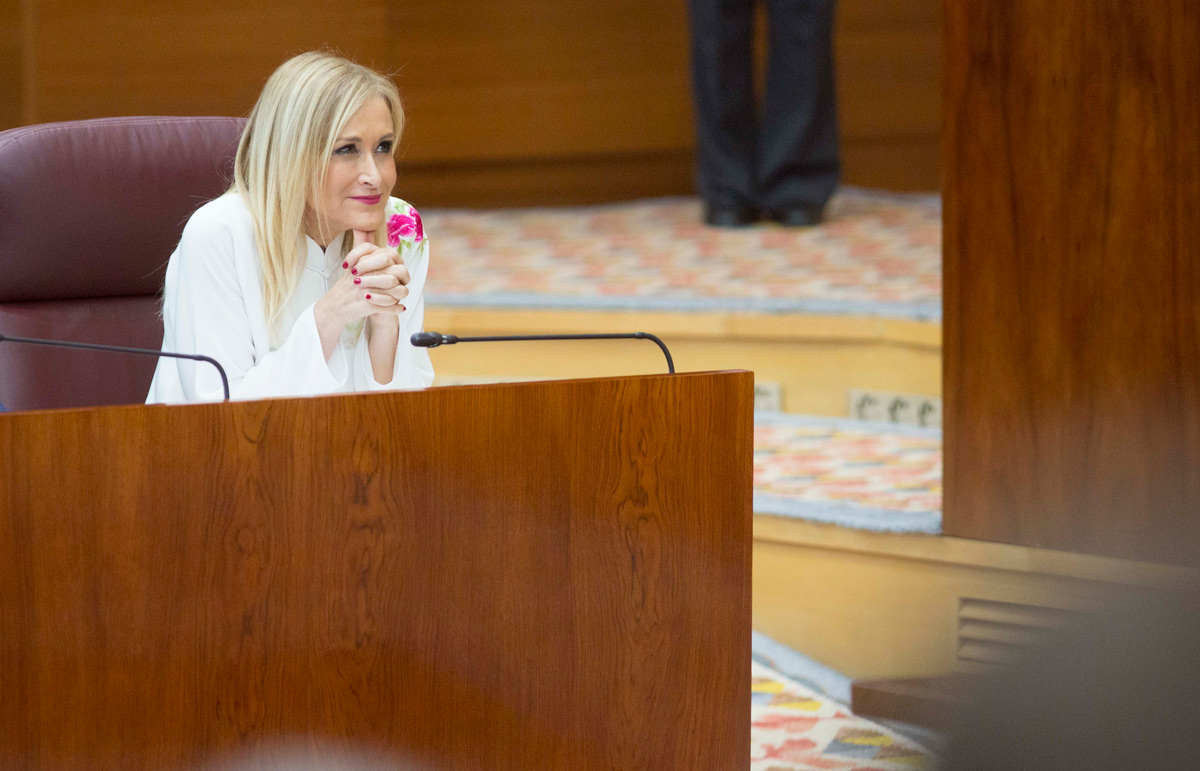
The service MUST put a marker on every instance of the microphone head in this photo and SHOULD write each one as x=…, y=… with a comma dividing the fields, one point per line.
x=426, y=339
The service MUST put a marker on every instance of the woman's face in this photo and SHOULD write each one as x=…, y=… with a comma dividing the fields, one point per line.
x=360, y=175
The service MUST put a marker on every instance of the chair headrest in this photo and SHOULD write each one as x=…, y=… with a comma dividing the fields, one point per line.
x=94, y=208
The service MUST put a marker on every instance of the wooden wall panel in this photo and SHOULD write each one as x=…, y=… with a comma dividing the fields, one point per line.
x=536, y=181
x=611, y=82
x=497, y=93
x=887, y=163
x=12, y=67
x=889, y=69
x=146, y=57
x=542, y=79
x=1072, y=303
x=889, y=61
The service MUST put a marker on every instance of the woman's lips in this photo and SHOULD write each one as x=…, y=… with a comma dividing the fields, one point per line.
x=369, y=200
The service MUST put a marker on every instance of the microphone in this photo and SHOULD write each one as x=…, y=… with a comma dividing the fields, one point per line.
x=121, y=349
x=434, y=339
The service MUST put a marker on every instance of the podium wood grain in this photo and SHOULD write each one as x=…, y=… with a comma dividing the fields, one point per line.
x=536, y=576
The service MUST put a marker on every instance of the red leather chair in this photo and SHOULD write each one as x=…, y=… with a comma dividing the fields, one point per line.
x=89, y=213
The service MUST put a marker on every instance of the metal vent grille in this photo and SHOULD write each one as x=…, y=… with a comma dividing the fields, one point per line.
x=991, y=632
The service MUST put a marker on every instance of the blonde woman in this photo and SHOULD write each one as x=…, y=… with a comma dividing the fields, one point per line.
x=305, y=278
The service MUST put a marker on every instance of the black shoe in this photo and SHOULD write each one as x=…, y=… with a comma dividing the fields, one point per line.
x=795, y=218
x=729, y=217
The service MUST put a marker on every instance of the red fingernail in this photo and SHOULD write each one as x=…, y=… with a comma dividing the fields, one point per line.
x=368, y=297
x=402, y=308
x=358, y=280
x=354, y=272
x=345, y=264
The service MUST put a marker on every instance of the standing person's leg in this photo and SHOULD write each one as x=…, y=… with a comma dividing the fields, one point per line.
x=798, y=164
x=726, y=125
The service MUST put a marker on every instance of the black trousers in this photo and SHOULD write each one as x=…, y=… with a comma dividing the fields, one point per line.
x=786, y=156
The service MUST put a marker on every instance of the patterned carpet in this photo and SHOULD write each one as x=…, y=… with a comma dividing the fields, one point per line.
x=793, y=727
x=873, y=476
x=877, y=254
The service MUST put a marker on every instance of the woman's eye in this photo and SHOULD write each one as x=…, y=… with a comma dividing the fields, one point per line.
x=384, y=147
x=345, y=150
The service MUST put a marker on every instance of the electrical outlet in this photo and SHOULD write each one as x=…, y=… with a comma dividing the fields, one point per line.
x=929, y=412
x=768, y=397
x=888, y=407
x=868, y=405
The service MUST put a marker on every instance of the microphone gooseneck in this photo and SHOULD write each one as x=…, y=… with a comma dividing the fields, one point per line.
x=121, y=349
x=435, y=339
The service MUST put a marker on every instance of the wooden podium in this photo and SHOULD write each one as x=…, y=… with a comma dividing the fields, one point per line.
x=538, y=576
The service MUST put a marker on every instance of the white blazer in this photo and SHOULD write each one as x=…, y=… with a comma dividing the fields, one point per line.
x=212, y=305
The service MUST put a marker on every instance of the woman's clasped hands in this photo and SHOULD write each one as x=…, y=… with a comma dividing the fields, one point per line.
x=374, y=283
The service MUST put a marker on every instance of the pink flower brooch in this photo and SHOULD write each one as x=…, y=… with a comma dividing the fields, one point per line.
x=405, y=226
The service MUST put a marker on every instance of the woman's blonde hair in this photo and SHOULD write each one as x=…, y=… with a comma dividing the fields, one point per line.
x=283, y=155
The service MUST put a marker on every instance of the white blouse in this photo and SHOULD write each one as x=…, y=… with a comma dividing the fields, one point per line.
x=213, y=306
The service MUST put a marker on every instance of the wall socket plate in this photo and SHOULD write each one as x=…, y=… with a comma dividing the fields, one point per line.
x=768, y=396
x=889, y=407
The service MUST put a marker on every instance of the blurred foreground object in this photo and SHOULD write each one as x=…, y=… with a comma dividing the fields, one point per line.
x=1121, y=691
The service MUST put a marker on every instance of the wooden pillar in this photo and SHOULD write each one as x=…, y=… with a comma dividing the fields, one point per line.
x=1072, y=259
x=12, y=64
